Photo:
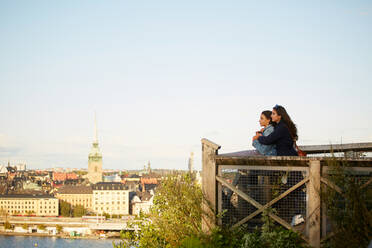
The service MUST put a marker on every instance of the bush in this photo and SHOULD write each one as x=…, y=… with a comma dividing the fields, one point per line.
x=79, y=211
x=351, y=211
x=25, y=226
x=65, y=208
x=175, y=215
x=7, y=225
x=41, y=227
x=59, y=228
x=268, y=236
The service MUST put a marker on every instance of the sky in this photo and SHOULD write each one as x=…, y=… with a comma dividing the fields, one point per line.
x=162, y=75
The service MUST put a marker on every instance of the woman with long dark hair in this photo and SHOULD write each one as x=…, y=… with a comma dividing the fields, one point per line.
x=284, y=135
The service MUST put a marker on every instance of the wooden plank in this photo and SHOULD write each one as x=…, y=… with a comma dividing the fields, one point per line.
x=219, y=196
x=313, y=224
x=209, y=150
x=331, y=184
x=366, y=184
x=263, y=167
x=319, y=149
x=325, y=169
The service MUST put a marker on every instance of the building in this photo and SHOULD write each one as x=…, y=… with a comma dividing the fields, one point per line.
x=39, y=205
x=95, y=160
x=61, y=176
x=110, y=198
x=76, y=195
x=112, y=178
x=142, y=202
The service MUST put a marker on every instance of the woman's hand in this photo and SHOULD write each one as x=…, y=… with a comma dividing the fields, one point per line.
x=256, y=136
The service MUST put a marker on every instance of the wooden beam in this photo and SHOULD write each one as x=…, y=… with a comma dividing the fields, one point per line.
x=313, y=223
x=252, y=201
x=272, y=202
x=331, y=184
x=366, y=184
x=209, y=189
x=319, y=149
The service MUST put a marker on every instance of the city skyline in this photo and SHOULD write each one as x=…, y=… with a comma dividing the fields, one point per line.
x=163, y=75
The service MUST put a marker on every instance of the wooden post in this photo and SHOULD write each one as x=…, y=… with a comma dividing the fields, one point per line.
x=209, y=188
x=313, y=223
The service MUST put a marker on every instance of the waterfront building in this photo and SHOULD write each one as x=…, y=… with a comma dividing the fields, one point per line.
x=39, y=205
x=110, y=198
x=76, y=195
x=95, y=160
x=142, y=202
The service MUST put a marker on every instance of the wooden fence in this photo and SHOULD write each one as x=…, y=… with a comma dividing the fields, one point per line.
x=247, y=179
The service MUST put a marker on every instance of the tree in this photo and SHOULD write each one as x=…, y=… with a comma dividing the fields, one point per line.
x=59, y=228
x=65, y=208
x=7, y=225
x=79, y=211
x=41, y=227
x=175, y=215
x=25, y=226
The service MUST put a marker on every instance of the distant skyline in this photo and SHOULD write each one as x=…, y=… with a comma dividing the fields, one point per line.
x=161, y=75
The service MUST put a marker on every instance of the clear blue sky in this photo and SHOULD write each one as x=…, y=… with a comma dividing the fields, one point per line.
x=161, y=75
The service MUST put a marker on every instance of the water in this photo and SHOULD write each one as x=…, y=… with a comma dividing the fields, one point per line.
x=52, y=242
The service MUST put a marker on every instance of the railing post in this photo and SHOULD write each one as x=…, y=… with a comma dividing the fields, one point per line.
x=313, y=223
x=209, y=186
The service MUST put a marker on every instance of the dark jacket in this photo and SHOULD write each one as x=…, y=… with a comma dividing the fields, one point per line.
x=282, y=139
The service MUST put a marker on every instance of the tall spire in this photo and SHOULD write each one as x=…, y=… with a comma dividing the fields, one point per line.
x=95, y=129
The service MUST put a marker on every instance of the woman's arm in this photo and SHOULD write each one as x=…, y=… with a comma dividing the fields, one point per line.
x=271, y=138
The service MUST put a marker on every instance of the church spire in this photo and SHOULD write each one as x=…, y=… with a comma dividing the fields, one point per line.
x=95, y=129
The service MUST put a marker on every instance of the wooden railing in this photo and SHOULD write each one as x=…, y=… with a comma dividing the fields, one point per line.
x=311, y=176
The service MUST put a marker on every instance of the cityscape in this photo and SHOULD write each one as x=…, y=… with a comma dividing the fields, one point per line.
x=185, y=124
x=99, y=201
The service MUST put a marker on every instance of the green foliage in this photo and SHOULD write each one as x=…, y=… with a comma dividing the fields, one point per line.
x=25, y=226
x=175, y=215
x=79, y=211
x=107, y=216
x=351, y=211
x=268, y=236
x=41, y=227
x=7, y=225
x=65, y=208
x=59, y=228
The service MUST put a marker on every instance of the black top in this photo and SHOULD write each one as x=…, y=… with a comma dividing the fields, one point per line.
x=281, y=138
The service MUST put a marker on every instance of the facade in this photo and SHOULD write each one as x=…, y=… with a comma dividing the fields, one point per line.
x=110, y=198
x=142, y=202
x=112, y=178
x=76, y=195
x=95, y=161
x=39, y=205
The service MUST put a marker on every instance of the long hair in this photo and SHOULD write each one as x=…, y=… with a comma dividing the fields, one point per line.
x=287, y=120
x=267, y=114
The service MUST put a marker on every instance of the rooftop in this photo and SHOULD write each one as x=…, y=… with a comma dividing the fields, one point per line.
x=69, y=189
x=26, y=196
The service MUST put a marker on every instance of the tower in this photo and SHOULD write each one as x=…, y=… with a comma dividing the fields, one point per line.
x=95, y=159
x=191, y=162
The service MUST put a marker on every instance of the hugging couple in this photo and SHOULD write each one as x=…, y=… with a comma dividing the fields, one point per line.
x=278, y=135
